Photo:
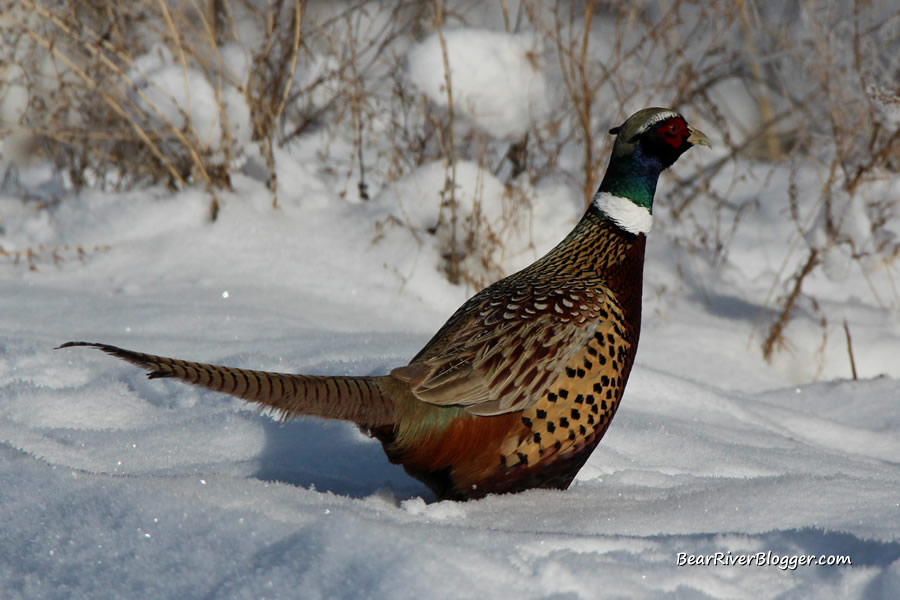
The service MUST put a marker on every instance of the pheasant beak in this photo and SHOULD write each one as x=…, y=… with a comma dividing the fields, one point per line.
x=697, y=138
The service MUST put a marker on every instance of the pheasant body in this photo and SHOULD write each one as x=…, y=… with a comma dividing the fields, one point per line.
x=521, y=383
x=582, y=323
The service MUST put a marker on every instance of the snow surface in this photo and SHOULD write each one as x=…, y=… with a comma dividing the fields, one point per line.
x=114, y=486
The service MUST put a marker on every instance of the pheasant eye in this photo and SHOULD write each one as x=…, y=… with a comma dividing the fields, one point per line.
x=670, y=130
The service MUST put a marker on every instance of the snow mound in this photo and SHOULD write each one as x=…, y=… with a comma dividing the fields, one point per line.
x=178, y=97
x=496, y=78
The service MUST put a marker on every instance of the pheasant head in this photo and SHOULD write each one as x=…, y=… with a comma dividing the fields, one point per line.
x=650, y=141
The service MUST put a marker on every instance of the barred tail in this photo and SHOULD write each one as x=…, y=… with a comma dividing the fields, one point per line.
x=357, y=399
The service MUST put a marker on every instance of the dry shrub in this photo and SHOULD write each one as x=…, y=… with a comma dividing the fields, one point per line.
x=816, y=81
x=90, y=73
x=846, y=64
x=32, y=257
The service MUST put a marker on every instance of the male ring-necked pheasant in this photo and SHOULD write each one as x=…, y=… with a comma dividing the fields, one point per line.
x=517, y=388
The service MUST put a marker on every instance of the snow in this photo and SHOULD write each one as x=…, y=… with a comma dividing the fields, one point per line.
x=183, y=97
x=483, y=203
x=495, y=78
x=116, y=486
x=887, y=106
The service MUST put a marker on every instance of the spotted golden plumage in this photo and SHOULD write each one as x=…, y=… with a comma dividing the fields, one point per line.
x=517, y=388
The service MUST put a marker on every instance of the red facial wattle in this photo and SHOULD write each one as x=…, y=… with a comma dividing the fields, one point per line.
x=674, y=131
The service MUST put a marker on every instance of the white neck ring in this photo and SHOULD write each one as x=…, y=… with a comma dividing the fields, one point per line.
x=631, y=217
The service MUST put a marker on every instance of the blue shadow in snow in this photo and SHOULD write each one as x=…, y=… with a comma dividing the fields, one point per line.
x=331, y=456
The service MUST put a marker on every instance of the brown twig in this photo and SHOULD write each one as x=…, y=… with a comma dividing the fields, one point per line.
x=850, y=350
x=448, y=194
x=776, y=332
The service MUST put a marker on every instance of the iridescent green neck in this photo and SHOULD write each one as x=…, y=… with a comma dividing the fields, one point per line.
x=633, y=176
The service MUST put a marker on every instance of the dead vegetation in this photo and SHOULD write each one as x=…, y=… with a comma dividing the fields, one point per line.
x=816, y=77
x=33, y=257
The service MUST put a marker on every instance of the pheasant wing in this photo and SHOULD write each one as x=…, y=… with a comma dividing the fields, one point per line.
x=501, y=361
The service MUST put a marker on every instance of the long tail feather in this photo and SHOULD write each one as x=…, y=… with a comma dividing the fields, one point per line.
x=357, y=399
